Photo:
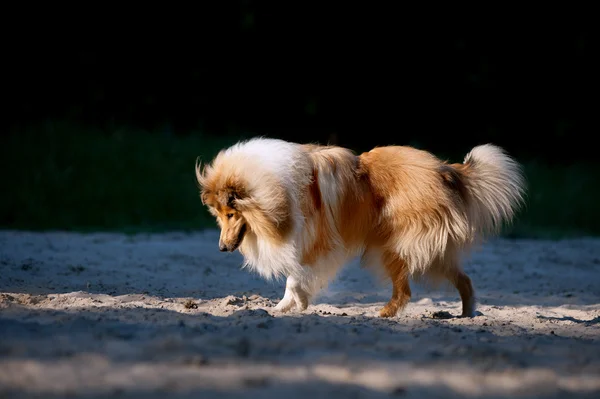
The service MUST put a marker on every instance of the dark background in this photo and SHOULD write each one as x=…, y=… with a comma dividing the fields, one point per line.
x=369, y=75
x=356, y=74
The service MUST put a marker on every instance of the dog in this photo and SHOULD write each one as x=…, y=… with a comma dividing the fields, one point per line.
x=301, y=211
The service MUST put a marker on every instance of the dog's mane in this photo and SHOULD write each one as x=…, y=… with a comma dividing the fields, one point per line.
x=264, y=175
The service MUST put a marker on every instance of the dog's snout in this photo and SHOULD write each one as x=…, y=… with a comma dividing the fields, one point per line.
x=222, y=247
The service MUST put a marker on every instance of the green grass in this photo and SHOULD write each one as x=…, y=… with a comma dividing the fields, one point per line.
x=61, y=177
x=58, y=176
x=562, y=201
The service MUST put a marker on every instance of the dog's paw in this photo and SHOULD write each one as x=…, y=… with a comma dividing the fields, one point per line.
x=469, y=309
x=285, y=305
x=470, y=314
x=388, y=311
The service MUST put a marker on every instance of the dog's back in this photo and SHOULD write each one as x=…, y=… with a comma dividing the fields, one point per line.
x=429, y=207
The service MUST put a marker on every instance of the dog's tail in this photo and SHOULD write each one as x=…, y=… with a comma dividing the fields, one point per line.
x=495, y=187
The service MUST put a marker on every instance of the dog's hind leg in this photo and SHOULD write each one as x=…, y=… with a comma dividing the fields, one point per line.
x=463, y=284
x=397, y=271
x=448, y=267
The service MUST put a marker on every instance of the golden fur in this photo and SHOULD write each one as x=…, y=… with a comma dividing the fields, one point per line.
x=302, y=211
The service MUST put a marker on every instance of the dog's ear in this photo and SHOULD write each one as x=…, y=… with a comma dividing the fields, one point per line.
x=200, y=175
x=204, y=197
x=227, y=197
x=231, y=197
x=246, y=204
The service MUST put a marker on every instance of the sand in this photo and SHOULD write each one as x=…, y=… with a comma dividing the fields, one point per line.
x=169, y=316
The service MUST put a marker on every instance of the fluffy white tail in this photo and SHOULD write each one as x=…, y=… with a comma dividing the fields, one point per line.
x=496, y=185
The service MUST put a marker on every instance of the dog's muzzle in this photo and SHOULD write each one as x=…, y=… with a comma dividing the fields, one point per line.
x=231, y=248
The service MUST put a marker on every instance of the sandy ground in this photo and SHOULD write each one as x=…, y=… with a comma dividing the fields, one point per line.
x=157, y=316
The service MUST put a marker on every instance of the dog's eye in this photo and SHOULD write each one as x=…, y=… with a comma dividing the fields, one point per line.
x=229, y=215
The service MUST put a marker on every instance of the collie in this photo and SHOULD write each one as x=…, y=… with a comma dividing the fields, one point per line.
x=301, y=211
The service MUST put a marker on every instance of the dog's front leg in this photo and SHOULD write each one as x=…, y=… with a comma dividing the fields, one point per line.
x=287, y=302
x=294, y=296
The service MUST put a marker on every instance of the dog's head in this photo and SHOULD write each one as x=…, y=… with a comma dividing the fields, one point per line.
x=222, y=205
x=223, y=198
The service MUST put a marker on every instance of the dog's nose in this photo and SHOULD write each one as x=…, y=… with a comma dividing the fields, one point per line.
x=222, y=247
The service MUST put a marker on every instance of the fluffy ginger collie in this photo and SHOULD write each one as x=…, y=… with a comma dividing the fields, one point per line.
x=301, y=211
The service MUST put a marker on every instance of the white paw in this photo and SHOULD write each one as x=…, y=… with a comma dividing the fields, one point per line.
x=285, y=305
